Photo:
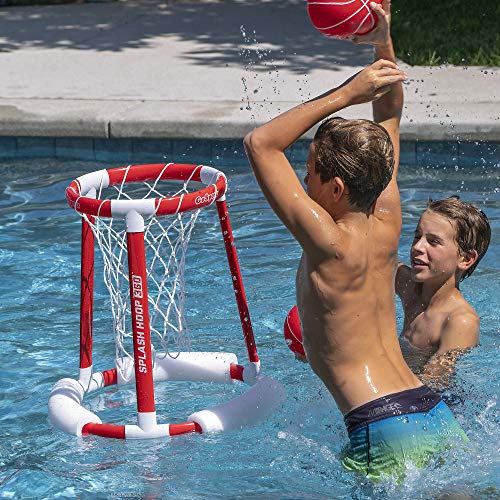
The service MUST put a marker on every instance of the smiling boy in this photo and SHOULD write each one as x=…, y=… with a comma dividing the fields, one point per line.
x=451, y=238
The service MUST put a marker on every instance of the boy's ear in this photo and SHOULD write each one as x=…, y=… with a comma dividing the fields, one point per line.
x=467, y=260
x=338, y=188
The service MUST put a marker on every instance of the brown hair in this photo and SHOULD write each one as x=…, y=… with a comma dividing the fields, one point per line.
x=472, y=228
x=360, y=152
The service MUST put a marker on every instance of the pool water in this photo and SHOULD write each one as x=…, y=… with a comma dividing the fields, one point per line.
x=295, y=454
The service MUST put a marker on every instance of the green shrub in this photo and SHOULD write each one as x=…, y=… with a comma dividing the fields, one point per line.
x=460, y=32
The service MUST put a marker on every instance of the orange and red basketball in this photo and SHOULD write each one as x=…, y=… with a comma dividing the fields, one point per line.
x=342, y=18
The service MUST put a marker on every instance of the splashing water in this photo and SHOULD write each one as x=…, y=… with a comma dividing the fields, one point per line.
x=262, y=76
x=293, y=455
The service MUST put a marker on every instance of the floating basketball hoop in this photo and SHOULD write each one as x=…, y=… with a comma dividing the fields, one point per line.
x=144, y=262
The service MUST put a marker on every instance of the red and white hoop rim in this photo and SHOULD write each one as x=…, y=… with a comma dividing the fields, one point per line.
x=80, y=194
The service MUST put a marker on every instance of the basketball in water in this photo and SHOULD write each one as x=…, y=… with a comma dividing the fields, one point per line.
x=293, y=332
x=342, y=18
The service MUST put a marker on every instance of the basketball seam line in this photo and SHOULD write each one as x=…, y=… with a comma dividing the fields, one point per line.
x=365, y=2
x=343, y=21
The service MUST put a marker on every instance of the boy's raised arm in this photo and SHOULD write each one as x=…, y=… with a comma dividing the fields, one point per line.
x=387, y=110
x=265, y=146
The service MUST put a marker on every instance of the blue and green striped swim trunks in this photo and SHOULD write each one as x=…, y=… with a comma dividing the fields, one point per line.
x=406, y=427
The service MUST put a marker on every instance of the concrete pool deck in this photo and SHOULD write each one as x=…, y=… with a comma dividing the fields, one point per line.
x=184, y=70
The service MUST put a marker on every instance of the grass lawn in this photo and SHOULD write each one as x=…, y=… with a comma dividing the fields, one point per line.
x=460, y=32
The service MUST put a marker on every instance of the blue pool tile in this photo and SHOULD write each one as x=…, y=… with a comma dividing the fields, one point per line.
x=113, y=150
x=477, y=153
x=192, y=151
x=81, y=148
x=8, y=147
x=152, y=150
x=408, y=153
x=297, y=153
x=436, y=153
x=228, y=152
x=31, y=147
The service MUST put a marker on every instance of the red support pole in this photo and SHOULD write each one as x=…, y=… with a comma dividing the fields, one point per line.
x=86, y=293
x=140, y=323
x=237, y=280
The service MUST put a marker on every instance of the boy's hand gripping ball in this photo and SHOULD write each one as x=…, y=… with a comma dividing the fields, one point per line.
x=342, y=18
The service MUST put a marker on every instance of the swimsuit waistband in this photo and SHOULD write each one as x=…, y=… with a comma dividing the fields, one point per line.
x=418, y=400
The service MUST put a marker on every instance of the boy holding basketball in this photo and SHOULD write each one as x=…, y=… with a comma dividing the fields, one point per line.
x=451, y=238
x=348, y=225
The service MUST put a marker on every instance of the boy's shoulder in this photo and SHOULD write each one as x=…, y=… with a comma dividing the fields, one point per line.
x=458, y=306
x=461, y=312
x=460, y=329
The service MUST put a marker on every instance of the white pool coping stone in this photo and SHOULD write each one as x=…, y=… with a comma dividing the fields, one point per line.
x=147, y=69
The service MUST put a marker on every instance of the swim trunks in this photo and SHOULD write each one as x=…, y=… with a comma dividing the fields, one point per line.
x=389, y=432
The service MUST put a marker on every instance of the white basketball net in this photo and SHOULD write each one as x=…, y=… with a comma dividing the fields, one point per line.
x=165, y=239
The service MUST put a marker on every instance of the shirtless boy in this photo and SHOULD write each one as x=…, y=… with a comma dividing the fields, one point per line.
x=451, y=238
x=348, y=225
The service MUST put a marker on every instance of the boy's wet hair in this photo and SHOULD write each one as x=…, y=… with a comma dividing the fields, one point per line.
x=472, y=228
x=360, y=152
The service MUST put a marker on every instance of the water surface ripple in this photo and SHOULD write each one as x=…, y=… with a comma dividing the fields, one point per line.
x=293, y=455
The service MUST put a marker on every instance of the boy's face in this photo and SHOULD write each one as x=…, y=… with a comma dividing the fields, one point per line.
x=434, y=252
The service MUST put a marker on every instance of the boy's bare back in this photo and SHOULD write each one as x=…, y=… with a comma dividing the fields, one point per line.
x=346, y=305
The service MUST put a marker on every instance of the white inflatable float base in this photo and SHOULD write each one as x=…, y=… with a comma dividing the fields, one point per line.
x=264, y=396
